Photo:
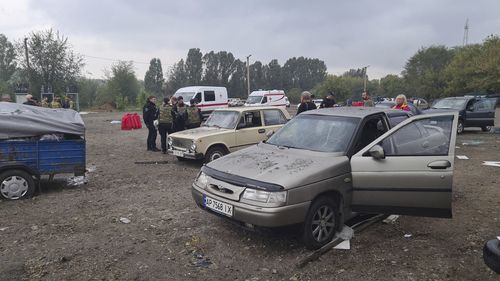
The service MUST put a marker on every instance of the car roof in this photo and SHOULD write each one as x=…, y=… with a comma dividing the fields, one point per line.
x=459, y=98
x=248, y=108
x=352, y=111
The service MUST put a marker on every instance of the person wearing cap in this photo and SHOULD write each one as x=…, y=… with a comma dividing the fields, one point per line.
x=305, y=103
x=149, y=114
x=165, y=122
x=328, y=101
x=180, y=115
x=194, y=116
x=30, y=100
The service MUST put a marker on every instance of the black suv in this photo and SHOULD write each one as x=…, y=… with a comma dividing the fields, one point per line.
x=473, y=111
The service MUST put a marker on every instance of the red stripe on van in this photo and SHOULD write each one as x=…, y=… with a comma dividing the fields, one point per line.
x=215, y=104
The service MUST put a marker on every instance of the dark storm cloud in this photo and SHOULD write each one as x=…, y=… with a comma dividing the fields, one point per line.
x=344, y=34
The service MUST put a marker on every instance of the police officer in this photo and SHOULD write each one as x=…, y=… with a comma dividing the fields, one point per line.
x=165, y=122
x=328, y=101
x=194, y=116
x=180, y=115
x=150, y=113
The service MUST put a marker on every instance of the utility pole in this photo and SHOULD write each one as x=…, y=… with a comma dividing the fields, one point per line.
x=466, y=33
x=27, y=62
x=366, y=76
x=248, y=75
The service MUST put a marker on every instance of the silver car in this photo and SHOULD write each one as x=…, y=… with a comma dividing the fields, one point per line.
x=326, y=164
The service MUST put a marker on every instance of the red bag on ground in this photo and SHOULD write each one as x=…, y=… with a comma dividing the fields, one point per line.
x=137, y=124
x=126, y=122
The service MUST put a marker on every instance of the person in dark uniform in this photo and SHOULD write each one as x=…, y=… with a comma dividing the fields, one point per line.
x=150, y=113
x=305, y=103
x=30, y=100
x=180, y=115
x=328, y=101
x=194, y=116
x=165, y=122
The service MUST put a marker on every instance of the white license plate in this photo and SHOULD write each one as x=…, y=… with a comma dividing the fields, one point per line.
x=218, y=206
x=178, y=153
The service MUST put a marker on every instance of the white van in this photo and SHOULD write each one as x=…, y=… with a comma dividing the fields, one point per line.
x=209, y=97
x=267, y=98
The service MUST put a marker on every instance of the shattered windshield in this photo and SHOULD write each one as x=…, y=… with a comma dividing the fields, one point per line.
x=317, y=133
x=223, y=119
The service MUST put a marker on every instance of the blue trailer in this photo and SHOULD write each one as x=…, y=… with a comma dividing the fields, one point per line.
x=22, y=163
x=37, y=141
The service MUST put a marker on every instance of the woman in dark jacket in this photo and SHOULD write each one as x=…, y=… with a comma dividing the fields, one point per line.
x=305, y=103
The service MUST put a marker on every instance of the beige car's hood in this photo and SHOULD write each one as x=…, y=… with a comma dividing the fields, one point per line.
x=286, y=167
x=199, y=132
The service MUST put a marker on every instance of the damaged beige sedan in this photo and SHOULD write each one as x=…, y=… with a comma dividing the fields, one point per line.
x=325, y=165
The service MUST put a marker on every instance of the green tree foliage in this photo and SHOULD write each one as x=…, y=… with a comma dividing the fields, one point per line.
x=7, y=59
x=391, y=85
x=52, y=61
x=424, y=71
x=122, y=85
x=194, y=66
x=359, y=72
x=237, y=86
x=475, y=68
x=303, y=73
x=88, y=91
x=153, y=80
x=257, y=79
x=273, y=75
x=177, y=78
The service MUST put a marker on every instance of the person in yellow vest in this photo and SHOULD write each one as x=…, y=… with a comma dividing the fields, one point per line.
x=56, y=103
x=194, y=116
x=165, y=122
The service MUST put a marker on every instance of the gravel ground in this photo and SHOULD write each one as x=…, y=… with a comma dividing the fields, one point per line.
x=75, y=233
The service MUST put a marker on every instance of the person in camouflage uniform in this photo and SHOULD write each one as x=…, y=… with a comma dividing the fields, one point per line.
x=165, y=122
x=194, y=116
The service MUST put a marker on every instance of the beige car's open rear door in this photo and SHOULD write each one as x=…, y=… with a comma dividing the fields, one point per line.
x=409, y=169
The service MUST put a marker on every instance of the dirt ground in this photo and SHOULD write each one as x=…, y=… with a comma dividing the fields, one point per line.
x=75, y=233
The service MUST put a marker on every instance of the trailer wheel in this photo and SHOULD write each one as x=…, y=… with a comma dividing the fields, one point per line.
x=16, y=184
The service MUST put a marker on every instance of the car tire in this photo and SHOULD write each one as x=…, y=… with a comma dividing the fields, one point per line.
x=215, y=153
x=486, y=128
x=16, y=184
x=491, y=255
x=321, y=223
x=460, y=127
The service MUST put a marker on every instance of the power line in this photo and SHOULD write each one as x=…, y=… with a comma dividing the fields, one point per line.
x=112, y=59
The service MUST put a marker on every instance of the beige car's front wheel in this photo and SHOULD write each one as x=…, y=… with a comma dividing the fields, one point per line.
x=215, y=153
x=320, y=223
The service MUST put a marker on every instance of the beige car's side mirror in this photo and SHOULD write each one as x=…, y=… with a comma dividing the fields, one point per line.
x=377, y=152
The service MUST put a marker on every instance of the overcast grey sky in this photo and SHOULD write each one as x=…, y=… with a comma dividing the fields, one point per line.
x=345, y=34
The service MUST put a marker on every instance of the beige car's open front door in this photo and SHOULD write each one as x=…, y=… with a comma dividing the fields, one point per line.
x=409, y=169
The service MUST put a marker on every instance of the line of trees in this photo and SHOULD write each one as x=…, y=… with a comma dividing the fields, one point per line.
x=432, y=72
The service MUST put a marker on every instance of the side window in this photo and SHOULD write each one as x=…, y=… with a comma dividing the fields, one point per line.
x=264, y=100
x=251, y=119
x=197, y=97
x=483, y=105
x=209, y=95
x=273, y=117
x=424, y=137
x=394, y=120
x=372, y=129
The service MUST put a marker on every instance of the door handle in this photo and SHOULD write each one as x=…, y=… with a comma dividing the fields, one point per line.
x=261, y=131
x=440, y=164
